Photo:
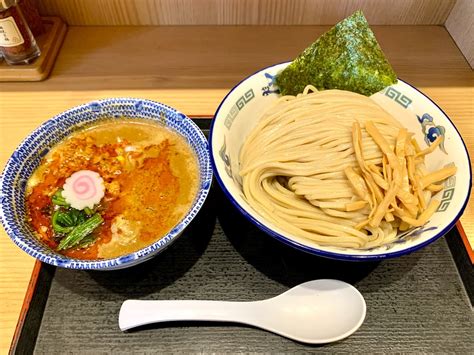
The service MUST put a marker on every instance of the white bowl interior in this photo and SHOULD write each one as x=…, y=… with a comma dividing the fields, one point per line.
x=243, y=106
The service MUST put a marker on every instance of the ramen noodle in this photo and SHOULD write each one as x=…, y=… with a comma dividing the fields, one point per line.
x=334, y=167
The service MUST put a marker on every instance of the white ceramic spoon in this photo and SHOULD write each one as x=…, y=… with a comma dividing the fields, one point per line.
x=315, y=312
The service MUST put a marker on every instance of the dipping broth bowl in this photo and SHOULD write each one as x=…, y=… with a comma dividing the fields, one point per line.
x=27, y=157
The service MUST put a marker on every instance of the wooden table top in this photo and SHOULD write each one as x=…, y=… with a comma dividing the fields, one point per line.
x=191, y=69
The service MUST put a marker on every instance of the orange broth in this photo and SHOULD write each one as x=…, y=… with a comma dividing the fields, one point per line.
x=150, y=175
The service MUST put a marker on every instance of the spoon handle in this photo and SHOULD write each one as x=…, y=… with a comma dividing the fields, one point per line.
x=134, y=313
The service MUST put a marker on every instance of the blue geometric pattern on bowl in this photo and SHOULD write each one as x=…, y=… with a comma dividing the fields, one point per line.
x=239, y=105
x=399, y=98
x=415, y=110
x=26, y=158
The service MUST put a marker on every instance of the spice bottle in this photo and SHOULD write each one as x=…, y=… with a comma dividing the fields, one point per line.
x=17, y=43
x=32, y=16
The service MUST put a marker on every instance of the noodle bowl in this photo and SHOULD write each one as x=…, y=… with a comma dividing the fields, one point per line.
x=292, y=166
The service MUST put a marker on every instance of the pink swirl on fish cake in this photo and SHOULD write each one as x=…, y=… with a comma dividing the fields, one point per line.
x=84, y=187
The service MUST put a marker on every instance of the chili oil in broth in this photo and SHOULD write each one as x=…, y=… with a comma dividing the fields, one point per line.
x=150, y=175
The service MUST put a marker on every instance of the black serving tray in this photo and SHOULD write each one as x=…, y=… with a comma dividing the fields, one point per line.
x=416, y=303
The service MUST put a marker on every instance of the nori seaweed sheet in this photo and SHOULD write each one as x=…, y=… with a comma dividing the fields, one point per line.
x=347, y=57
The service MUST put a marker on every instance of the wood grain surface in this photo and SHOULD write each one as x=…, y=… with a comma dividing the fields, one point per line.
x=245, y=12
x=460, y=25
x=192, y=68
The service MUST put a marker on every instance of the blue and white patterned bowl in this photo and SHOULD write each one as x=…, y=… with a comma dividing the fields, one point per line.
x=27, y=157
x=240, y=110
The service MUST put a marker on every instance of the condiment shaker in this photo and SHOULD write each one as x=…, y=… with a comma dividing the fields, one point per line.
x=17, y=43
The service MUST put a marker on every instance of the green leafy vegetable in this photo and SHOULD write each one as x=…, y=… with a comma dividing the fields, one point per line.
x=347, y=57
x=88, y=211
x=86, y=241
x=76, y=236
x=72, y=225
x=58, y=199
x=62, y=222
x=77, y=216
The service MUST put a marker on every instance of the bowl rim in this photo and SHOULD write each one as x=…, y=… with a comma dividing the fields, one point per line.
x=324, y=253
x=129, y=259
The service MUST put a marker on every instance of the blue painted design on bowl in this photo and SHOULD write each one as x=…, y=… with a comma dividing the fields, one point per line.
x=95, y=106
x=229, y=128
x=27, y=157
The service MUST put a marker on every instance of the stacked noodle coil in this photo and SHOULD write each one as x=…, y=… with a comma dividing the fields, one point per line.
x=294, y=169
